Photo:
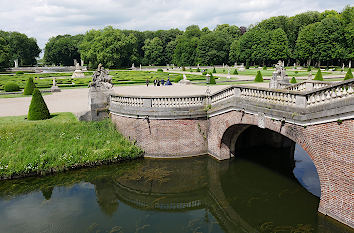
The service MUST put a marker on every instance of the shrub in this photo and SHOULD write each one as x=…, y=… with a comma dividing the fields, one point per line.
x=204, y=73
x=9, y=87
x=30, y=86
x=259, y=77
x=247, y=64
x=309, y=68
x=183, y=68
x=177, y=79
x=296, y=72
x=318, y=76
x=264, y=68
x=235, y=71
x=293, y=80
x=212, y=79
x=214, y=70
x=198, y=70
x=349, y=74
x=38, y=109
x=160, y=70
x=19, y=72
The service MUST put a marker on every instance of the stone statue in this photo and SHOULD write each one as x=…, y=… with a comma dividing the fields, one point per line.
x=228, y=73
x=280, y=70
x=279, y=77
x=54, y=87
x=100, y=79
x=185, y=81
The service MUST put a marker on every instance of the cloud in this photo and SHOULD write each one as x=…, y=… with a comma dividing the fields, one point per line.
x=45, y=18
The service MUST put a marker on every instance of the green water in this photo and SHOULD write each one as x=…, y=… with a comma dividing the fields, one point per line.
x=181, y=195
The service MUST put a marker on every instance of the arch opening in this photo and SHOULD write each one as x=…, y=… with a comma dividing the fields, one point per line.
x=274, y=151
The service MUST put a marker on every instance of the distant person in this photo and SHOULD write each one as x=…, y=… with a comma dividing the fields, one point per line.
x=158, y=83
x=162, y=82
x=147, y=82
x=168, y=82
x=155, y=82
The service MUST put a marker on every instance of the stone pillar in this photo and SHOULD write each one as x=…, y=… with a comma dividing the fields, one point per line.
x=82, y=62
x=16, y=63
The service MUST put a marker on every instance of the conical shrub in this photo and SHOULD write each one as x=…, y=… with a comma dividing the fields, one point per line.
x=212, y=79
x=38, y=109
x=214, y=70
x=30, y=86
x=293, y=80
x=259, y=77
x=349, y=74
x=235, y=71
x=318, y=76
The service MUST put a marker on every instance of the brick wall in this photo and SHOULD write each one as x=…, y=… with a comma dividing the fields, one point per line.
x=330, y=146
x=165, y=138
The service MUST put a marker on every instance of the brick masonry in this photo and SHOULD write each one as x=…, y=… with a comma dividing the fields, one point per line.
x=330, y=146
x=165, y=138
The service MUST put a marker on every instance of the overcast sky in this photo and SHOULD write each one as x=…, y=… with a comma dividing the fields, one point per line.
x=43, y=19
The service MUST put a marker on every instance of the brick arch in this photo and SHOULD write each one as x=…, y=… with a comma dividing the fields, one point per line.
x=219, y=125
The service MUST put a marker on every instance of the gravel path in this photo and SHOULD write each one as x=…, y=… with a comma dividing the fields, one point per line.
x=76, y=100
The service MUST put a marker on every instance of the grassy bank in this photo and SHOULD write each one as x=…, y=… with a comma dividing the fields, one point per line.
x=57, y=144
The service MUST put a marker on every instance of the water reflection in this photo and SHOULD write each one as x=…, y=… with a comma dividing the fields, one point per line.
x=182, y=195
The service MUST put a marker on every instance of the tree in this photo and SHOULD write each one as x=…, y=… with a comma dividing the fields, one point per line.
x=185, y=53
x=305, y=44
x=213, y=48
x=109, y=46
x=278, y=48
x=38, y=109
x=30, y=86
x=4, y=53
x=23, y=48
x=62, y=50
x=329, y=40
x=153, y=51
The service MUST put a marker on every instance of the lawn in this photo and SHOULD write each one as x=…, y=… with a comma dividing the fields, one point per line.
x=57, y=144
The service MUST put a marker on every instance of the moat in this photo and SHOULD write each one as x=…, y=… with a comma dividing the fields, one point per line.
x=255, y=192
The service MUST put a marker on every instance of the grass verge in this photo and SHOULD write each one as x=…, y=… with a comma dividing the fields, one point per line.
x=58, y=144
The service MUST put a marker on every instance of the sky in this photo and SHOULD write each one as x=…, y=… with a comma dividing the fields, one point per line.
x=43, y=19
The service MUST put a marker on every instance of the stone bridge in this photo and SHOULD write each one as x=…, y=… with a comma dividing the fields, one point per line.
x=317, y=116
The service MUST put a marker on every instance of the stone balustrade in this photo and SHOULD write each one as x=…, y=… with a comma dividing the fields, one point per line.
x=330, y=94
x=175, y=102
x=308, y=85
x=283, y=103
x=127, y=101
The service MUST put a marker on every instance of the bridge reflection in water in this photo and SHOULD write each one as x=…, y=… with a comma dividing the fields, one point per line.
x=181, y=195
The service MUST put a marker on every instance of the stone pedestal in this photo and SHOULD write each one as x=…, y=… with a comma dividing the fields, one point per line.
x=99, y=99
x=78, y=74
x=274, y=81
x=55, y=89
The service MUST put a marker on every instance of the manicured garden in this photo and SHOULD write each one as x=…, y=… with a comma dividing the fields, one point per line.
x=120, y=77
x=59, y=143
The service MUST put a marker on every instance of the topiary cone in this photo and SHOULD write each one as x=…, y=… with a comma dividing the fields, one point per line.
x=30, y=86
x=259, y=77
x=318, y=76
x=38, y=109
x=349, y=74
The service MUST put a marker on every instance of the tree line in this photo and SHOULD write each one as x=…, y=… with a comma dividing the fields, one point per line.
x=15, y=45
x=311, y=39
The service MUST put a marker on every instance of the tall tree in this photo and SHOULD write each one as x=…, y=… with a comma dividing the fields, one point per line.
x=109, y=46
x=4, y=53
x=62, y=50
x=153, y=51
